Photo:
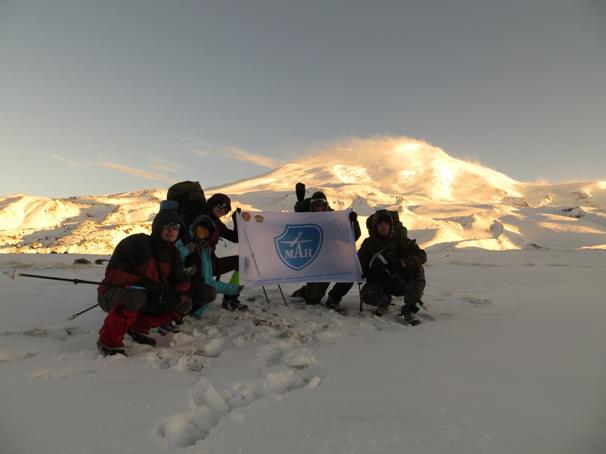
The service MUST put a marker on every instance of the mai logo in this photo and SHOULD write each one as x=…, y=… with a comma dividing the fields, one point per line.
x=299, y=245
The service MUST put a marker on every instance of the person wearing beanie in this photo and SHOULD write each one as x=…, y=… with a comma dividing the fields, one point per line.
x=199, y=267
x=392, y=264
x=217, y=206
x=312, y=293
x=144, y=285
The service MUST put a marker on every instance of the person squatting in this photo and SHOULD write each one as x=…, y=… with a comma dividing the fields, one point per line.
x=155, y=280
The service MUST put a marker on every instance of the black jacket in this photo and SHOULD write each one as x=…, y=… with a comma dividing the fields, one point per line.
x=401, y=253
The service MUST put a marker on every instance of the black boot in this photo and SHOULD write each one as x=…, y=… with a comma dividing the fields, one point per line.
x=406, y=313
x=382, y=310
x=110, y=351
x=298, y=293
x=169, y=327
x=332, y=303
x=232, y=303
x=141, y=338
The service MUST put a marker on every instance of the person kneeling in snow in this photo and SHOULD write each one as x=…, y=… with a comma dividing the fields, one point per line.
x=198, y=265
x=144, y=285
x=313, y=292
x=392, y=264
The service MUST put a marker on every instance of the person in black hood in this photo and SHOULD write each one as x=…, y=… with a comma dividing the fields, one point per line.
x=152, y=266
x=218, y=206
x=313, y=292
x=392, y=264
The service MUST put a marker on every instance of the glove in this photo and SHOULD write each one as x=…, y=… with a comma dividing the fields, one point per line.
x=153, y=290
x=353, y=216
x=171, y=298
x=300, y=191
x=190, y=270
x=234, y=214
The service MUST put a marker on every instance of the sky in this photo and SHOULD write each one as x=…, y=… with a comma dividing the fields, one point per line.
x=114, y=96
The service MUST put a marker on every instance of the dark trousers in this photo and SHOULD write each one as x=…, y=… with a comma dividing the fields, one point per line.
x=222, y=265
x=202, y=293
x=379, y=293
x=313, y=292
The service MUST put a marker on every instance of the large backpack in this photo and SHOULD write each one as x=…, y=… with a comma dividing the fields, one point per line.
x=190, y=197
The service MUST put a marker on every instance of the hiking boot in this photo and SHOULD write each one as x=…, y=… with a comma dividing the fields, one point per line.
x=312, y=301
x=332, y=303
x=169, y=327
x=298, y=293
x=110, y=351
x=233, y=304
x=408, y=318
x=407, y=311
x=140, y=338
x=382, y=310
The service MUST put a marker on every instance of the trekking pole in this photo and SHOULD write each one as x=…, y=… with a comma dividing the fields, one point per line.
x=360, y=295
x=40, y=276
x=266, y=297
x=282, y=293
x=78, y=314
x=74, y=281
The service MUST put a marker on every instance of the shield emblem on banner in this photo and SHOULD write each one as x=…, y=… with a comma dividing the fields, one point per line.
x=299, y=245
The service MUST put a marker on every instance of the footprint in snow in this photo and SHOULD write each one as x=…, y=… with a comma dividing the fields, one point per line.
x=6, y=356
x=65, y=372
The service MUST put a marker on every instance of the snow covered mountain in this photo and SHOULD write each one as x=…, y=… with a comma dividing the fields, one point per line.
x=445, y=202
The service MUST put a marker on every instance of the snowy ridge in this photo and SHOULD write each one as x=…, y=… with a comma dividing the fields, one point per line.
x=445, y=202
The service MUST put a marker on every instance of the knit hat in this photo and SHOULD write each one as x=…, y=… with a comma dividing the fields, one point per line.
x=318, y=198
x=164, y=217
x=219, y=199
x=205, y=222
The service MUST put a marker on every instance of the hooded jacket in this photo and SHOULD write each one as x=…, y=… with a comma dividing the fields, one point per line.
x=222, y=231
x=401, y=253
x=203, y=250
x=142, y=257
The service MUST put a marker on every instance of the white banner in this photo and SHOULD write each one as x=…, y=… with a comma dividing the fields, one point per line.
x=280, y=248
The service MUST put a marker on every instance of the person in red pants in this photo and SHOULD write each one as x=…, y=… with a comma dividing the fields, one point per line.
x=144, y=285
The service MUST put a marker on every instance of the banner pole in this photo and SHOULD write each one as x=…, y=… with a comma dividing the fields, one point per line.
x=282, y=293
x=264, y=291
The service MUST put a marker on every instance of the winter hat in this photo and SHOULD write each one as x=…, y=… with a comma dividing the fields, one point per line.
x=219, y=200
x=164, y=217
x=318, y=198
x=205, y=224
x=383, y=215
x=379, y=216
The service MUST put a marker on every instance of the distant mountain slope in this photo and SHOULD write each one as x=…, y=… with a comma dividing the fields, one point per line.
x=445, y=202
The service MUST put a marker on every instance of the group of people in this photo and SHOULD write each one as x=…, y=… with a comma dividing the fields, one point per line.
x=154, y=281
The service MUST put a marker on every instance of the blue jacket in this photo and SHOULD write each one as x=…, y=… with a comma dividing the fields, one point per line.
x=207, y=269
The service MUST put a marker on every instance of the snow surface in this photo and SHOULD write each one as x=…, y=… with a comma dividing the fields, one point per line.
x=509, y=358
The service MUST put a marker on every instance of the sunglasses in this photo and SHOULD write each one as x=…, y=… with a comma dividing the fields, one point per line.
x=223, y=206
x=172, y=225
